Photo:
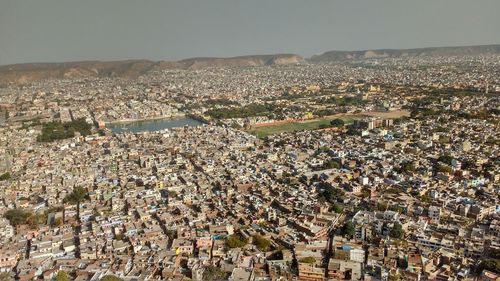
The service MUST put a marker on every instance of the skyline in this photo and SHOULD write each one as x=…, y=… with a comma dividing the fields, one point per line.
x=55, y=31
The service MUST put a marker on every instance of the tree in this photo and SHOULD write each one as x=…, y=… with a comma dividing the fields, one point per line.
x=332, y=164
x=213, y=273
x=397, y=231
x=17, y=216
x=6, y=276
x=62, y=276
x=56, y=130
x=111, y=278
x=236, y=241
x=494, y=253
x=408, y=168
x=262, y=243
x=445, y=158
x=337, y=122
x=307, y=260
x=76, y=197
x=382, y=206
x=444, y=169
x=338, y=208
x=5, y=176
x=490, y=264
x=330, y=194
x=276, y=255
x=349, y=229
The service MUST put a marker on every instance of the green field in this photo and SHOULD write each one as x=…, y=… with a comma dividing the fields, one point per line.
x=264, y=131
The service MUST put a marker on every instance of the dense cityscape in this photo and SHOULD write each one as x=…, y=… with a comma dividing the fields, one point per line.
x=377, y=169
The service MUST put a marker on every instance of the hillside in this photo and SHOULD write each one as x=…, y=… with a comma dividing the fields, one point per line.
x=32, y=72
x=332, y=56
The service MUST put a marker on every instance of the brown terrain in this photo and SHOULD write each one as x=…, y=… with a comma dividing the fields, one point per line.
x=336, y=56
x=32, y=72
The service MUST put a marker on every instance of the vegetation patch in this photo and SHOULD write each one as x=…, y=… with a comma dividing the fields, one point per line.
x=57, y=131
x=250, y=110
x=236, y=241
x=264, y=131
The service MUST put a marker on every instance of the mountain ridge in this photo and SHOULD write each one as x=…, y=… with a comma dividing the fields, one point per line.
x=24, y=73
x=31, y=72
x=330, y=56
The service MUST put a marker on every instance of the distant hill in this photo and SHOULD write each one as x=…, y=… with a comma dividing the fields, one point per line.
x=333, y=56
x=259, y=60
x=32, y=72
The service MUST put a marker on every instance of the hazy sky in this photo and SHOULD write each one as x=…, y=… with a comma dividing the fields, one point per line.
x=68, y=30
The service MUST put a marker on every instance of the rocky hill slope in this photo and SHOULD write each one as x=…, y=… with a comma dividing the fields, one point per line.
x=32, y=72
x=333, y=56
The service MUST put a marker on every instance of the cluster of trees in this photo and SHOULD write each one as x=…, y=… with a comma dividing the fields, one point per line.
x=24, y=217
x=407, y=168
x=236, y=241
x=490, y=264
x=329, y=193
x=348, y=230
x=250, y=110
x=325, y=112
x=261, y=243
x=292, y=96
x=225, y=102
x=62, y=276
x=332, y=164
x=446, y=158
x=214, y=273
x=5, y=176
x=307, y=260
x=337, y=208
x=397, y=231
x=77, y=196
x=111, y=278
x=444, y=169
x=57, y=130
x=343, y=101
x=337, y=123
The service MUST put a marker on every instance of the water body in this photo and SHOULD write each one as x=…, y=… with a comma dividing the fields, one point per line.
x=152, y=125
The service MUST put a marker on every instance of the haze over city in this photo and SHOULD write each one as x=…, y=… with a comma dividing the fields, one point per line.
x=58, y=31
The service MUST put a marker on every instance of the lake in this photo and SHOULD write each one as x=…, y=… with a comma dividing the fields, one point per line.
x=152, y=125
